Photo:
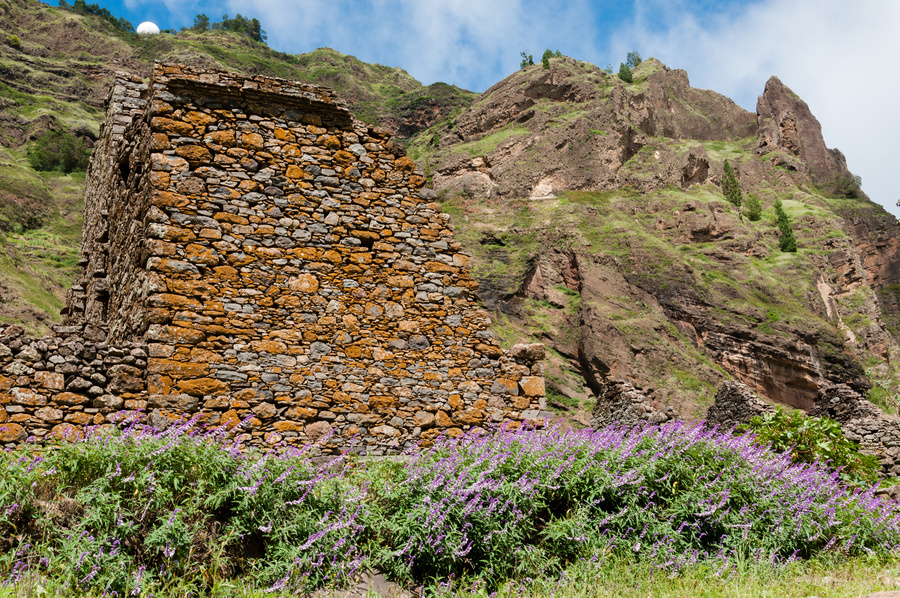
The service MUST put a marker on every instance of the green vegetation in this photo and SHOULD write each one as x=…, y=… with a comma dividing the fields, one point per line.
x=754, y=207
x=59, y=150
x=633, y=59
x=527, y=59
x=249, y=27
x=625, y=73
x=80, y=6
x=173, y=513
x=786, y=241
x=489, y=143
x=847, y=186
x=13, y=41
x=815, y=439
x=730, y=187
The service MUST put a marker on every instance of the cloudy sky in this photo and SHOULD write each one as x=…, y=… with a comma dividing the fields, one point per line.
x=840, y=56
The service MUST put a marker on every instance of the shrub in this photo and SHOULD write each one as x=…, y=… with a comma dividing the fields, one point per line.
x=754, y=207
x=625, y=73
x=13, y=41
x=137, y=511
x=525, y=503
x=815, y=439
x=179, y=513
x=59, y=150
x=730, y=187
x=848, y=186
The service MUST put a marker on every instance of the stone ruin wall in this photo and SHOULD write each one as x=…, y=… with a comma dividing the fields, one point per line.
x=254, y=254
x=877, y=433
x=861, y=421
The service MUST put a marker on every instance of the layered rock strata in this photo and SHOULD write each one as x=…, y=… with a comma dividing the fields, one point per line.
x=279, y=261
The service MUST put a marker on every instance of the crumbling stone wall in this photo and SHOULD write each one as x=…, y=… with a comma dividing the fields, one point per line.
x=116, y=201
x=280, y=264
x=861, y=421
x=735, y=404
x=620, y=403
x=51, y=388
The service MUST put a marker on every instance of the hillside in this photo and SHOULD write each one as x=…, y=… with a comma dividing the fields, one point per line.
x=593, y=209
x=57, y=77
x=595, y=213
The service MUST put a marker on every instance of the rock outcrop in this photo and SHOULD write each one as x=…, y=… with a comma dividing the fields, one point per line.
x=594, y=212
x=786, y=125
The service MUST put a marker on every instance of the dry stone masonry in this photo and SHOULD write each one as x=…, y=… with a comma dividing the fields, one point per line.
x=861, y=421
x=253, y=254
x=620, y=403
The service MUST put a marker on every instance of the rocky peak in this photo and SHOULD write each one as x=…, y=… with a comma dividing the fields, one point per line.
x=667, y=105
x=786, y=125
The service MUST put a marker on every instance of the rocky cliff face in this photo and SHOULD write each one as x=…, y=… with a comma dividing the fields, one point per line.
x=595, y=214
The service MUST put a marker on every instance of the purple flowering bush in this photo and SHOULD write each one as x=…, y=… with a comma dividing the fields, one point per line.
x=173, y=512
x=527, y=502
x=141, y=510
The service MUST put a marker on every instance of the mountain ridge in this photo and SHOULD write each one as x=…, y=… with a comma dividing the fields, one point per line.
x=593, y=210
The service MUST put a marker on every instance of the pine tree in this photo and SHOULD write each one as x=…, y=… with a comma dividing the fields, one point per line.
x=754, y=208
x=730, y=188
x=625, y=73
x=787, y=242
x=545, y=59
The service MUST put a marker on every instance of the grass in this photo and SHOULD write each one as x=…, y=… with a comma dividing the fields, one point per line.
x=489, y=143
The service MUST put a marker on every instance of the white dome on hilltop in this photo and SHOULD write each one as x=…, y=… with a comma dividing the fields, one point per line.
x=147, y=28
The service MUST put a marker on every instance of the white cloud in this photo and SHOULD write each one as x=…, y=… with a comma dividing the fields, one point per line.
x=472, y=43
x=834, y=54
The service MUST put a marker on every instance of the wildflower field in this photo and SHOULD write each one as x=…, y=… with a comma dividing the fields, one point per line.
x=179, y=512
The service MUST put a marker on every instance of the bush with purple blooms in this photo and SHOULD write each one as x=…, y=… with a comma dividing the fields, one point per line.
x=527, y=503
x=142, y=510
x=135, y=512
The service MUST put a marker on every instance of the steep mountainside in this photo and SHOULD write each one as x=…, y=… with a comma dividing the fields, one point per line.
x=593, y=209
x=595, y=214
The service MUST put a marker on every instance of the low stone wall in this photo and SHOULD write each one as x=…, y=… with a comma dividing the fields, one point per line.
x=623, y=404
x=861, y=421
x=876, y=432
x=52, y=388
x=736, y=404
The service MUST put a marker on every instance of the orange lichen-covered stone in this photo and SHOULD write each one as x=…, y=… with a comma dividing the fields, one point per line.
x=194, y=154
x=199, y=387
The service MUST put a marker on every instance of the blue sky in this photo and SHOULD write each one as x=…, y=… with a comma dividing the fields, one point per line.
x=840, y=56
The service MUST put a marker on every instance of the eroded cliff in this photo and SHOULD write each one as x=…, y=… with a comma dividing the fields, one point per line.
x=595, y=213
